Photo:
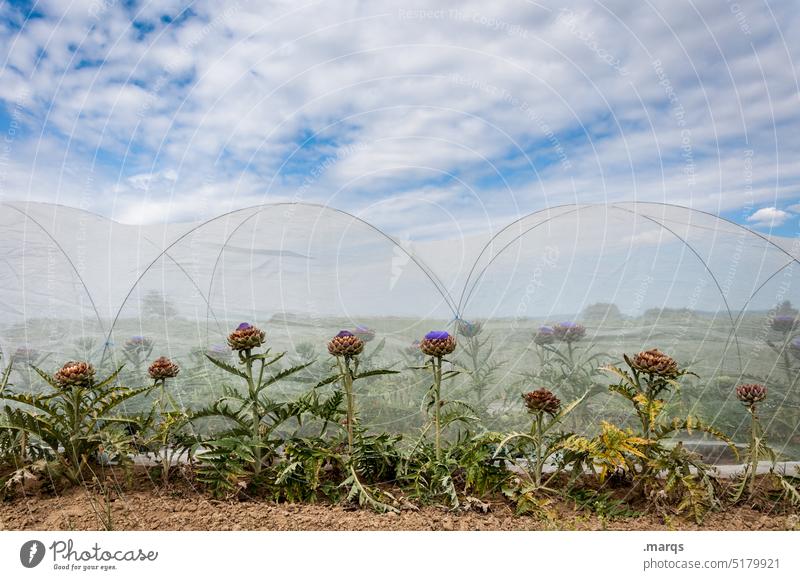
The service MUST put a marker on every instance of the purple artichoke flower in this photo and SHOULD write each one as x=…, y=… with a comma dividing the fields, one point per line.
x=784, y=323
x=545, y=335
x=437, y=335
x=246, y=337
x=542, y=401
x=751, y=394
x=569, y=331
x=139, y=344
x=438, y=343
x=26, y=355
x=345, y=344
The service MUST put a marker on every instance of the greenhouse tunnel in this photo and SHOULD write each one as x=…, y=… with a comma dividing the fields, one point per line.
x=635, y=275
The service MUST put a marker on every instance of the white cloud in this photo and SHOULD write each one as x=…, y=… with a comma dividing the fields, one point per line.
x=511, y=104
x=769, y=217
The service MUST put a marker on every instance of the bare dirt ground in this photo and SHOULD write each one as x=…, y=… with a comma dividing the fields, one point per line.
x=143, y=505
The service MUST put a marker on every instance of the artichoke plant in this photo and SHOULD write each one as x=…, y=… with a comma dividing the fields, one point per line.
x=245, y=338
x=437, y=344
x=655, y=363
x=784, y=323
x=567, y=362
x=478, y=351
x=544, y=335
x=650, y=376
x=253, y=415
x=137, y=350
x=542, y=401
x=569, y=332
x=170, y=416
x=346, y=347
x=536, y=446
x=750, y=395
x=74, y=421
x=163, y=369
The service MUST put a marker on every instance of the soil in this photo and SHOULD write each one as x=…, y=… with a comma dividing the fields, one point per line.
x=143, y=505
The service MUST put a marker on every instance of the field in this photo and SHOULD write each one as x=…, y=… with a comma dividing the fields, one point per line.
x=316, y=435
x=183, y=506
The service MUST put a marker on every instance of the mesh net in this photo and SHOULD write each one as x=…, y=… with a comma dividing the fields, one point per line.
x=633, y=275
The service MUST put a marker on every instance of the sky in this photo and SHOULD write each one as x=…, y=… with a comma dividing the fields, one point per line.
x=426, y=119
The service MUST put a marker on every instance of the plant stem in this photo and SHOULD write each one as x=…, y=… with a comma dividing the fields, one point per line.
x=437, y=387
x=347, y=382
x=647, y=427
x=23, y=448
x=648, y=413
x=753, y=449
x=256, y=424
x=75, y=447
x=539, y=445
x=474, y=351
x=786, y=363
x=165, y=458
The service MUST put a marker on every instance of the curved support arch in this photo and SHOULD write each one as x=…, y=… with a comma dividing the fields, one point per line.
x=727, y=221
x=581, y=206
x=705, y=265
x=166, y=254
x=476, y=272
x=219, y=257
x=261, y=207
x=468, y=293
x=740, y=316
x=465, y=300
x=424, y=268
x=69, y=261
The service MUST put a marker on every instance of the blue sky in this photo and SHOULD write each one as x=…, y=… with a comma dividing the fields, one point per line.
x=415, y=116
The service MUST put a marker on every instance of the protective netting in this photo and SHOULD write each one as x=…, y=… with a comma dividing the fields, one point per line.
x=709, y=292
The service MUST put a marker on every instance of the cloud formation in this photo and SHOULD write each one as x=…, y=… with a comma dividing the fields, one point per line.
x=418, y=116
x=769, y=217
